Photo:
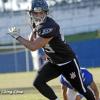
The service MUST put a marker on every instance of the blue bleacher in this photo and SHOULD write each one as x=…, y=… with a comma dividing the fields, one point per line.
x=14, y=62
x=88, y=52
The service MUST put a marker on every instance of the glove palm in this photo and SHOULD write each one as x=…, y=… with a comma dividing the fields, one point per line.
x=14, y=32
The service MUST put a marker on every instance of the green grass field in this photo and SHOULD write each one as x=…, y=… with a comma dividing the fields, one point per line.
x=83, y=36
x=18, y=86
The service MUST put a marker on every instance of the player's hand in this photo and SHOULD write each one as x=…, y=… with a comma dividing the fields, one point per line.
x=14, y=32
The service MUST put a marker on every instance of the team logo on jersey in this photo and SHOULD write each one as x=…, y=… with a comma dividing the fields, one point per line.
x=47, y=30
x=72, y=75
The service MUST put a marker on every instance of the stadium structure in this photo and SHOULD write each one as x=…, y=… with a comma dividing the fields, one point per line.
x=79, y=16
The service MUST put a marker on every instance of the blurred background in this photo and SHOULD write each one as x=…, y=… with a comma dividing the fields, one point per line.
x=80, y=25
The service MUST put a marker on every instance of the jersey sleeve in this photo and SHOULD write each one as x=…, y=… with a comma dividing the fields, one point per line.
x=87, y=77
x=49, y=32
x=90, y=79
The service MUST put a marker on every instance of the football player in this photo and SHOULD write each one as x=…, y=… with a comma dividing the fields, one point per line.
x=69, y=93
x=61, y=58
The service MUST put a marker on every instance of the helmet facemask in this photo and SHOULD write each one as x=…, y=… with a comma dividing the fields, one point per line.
x=38, y=11
x=38, y=16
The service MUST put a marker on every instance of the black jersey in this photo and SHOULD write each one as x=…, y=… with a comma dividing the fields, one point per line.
x=57, y=50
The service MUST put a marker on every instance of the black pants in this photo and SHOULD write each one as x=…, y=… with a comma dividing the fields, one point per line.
x=70, y=71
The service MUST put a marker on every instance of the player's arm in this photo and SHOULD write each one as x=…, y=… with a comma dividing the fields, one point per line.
x=30, y=44
x=95, y=90
x=34, y=45
x=64, y=92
